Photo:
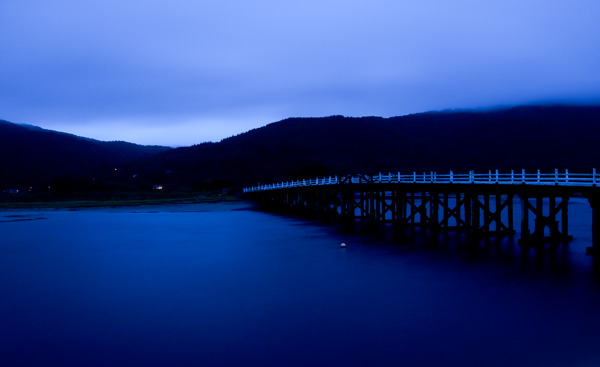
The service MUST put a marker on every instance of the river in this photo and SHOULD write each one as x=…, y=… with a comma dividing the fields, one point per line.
x=226, y=285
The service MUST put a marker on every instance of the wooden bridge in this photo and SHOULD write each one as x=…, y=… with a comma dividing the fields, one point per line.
x=479, y=203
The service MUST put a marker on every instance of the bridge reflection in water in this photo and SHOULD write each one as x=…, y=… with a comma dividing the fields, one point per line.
x=478, y=203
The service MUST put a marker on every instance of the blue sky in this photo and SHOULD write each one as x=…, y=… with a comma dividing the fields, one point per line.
x=184, y=72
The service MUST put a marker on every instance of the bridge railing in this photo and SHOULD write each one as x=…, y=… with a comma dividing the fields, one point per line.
x=557, y=178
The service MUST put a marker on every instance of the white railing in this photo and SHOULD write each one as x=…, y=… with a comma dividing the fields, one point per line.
x=563, y=178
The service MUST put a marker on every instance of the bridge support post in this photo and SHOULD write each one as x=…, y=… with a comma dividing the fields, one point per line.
x=425, y=215
x=434, y=214
x=475, y=213
x=347, y=207
x=468, y=200
x=595, y=248
x=525, y=233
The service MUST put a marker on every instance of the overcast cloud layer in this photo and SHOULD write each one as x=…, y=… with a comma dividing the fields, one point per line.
x=184, y=72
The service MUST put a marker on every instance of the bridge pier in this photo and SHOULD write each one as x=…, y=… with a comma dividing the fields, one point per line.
x=541, y=221
x=492, y=216
x=417, y=211
x=451, y=206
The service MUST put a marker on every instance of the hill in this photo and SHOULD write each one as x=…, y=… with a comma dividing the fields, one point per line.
x=530, y=137
x=31, y=156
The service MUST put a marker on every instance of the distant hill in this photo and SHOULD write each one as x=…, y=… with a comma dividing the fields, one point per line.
x=530, y=137
x=30, y=155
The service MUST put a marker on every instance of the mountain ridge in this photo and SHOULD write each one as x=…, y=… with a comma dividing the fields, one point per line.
x=530, y=137
x=522, y=137
x=30, y=155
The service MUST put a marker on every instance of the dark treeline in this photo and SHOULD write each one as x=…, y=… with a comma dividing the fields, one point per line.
x=31, y=156
x=545, y=137
x=530, y=137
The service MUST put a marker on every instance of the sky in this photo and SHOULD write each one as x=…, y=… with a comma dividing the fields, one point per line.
x=183, y=72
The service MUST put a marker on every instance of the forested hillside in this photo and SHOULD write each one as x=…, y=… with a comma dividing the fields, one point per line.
x=544, y=137
x=530, y=137
x=32, y=156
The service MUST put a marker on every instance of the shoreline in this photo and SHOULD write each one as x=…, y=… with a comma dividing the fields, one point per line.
x=117, y=203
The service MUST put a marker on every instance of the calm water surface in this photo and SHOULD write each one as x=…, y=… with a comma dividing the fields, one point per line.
x=222, y=285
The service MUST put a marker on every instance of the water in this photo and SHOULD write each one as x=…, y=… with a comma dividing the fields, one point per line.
x=219, y=285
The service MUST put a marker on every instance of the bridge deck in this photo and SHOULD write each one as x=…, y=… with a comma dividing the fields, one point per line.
x=556, y=178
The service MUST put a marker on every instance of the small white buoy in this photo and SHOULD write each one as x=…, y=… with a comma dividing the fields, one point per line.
x=343, y=245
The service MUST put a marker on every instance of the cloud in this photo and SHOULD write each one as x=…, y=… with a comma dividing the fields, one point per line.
x=145, y=62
